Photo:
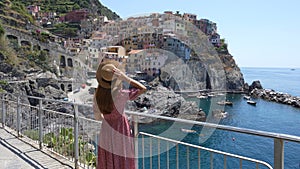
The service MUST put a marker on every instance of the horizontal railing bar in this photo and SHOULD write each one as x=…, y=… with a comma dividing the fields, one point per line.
x=223, y=127
x=23, y=104
x=56, y=112
x=207, y=149
x=91, y=120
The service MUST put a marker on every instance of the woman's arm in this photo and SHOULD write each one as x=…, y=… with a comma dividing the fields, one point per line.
x=121, y=75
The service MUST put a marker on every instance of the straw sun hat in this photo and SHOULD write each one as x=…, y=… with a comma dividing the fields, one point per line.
x=105, y=75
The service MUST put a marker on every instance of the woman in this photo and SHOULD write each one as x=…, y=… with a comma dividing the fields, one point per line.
x=116, y=149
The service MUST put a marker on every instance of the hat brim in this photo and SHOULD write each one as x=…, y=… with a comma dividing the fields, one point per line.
x=109, y=85
x=115, y=81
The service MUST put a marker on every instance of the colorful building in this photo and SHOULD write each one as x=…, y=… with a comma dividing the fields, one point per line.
x=75, y=16
x=206, y=26
x=215, y=39
x=117, y=53
x=134, y=61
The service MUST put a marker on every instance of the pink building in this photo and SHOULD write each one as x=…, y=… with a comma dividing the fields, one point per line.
x=75, y=16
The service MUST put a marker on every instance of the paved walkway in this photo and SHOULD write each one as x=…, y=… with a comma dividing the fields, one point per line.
x=16, y=153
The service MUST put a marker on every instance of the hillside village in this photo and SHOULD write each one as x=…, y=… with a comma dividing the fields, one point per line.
x=96, y=34
x=143, y=44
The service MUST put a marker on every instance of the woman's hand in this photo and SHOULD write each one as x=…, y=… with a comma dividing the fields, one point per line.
x=120, y=75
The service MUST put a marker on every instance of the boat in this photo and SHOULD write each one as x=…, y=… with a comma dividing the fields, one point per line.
x=251, y=102
x=188, y=131
x=202, y=97
x=247, y=97
x=192, y=95
x=219, y=114
x=225, y=103
x=211, y=95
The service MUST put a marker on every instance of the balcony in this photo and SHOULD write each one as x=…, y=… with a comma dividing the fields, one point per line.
x=71, y=132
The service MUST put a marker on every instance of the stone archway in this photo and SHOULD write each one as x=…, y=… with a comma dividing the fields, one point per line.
x=26, y=44
x=70, y=62
x=62, y=86
x=11, y=37
x=13, y=41
x=62, y=61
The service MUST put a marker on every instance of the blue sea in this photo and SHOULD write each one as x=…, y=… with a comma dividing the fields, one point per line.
x=265, y=116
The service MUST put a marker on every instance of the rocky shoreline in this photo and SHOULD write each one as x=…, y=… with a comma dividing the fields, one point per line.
x=278, y=97
x=257, y=91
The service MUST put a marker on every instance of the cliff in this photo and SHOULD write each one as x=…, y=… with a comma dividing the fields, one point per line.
x=219, y=72
x=234, y=77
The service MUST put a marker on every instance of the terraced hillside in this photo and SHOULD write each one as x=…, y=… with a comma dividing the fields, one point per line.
x=64, y=6
x=14, y=14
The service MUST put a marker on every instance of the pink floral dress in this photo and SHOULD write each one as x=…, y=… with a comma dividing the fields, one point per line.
x=115, y=146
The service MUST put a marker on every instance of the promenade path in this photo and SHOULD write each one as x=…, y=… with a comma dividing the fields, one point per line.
x=22, y=153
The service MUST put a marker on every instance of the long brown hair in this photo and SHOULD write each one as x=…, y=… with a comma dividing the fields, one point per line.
x=105, y=97
x=104, y=100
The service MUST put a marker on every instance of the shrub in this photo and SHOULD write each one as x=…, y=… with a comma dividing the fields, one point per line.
x=33, y=134
x=63, y=142
x=2, y=31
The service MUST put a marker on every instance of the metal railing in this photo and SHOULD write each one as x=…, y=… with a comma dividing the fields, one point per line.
x=62, y=131
x=74, y=137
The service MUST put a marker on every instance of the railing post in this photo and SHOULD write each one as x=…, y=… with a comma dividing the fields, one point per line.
x=3, y=110
x=40, y=124
x=136, y=140
x=278, y=153
x=76, y=136
x=18, y=116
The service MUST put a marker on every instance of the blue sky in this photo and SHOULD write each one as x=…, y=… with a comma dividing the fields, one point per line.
x=260, y=33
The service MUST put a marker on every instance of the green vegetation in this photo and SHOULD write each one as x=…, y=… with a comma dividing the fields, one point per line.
x=64, y=6
x=38, y=57
x=20, y=8
x=65, y=29
x=2, y=83
x=223, y=47
x=64, y=144
x=43, y=37
x=8, y=52
x=33, y=134
x=2, y=31
x=61, y=7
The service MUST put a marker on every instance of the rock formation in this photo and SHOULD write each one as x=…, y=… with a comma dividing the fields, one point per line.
x=279, y=97
x=256, y=90
x=161, y=101
x=196, y=75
